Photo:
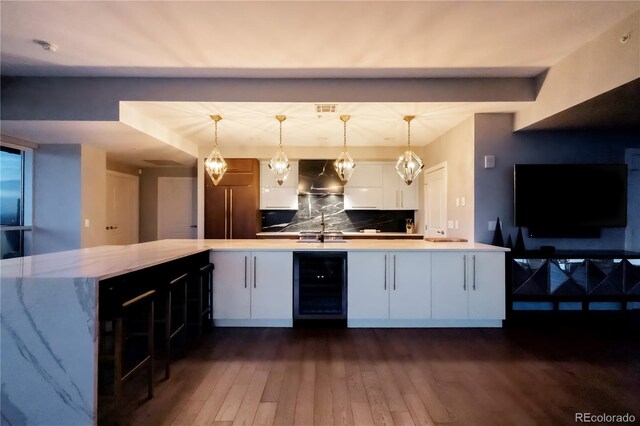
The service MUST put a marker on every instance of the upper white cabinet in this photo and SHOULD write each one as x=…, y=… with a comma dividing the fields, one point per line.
x=252, y=285
x=396, y=194
x=377, y=186
x=389, y=285
x=468, y=285
x=277, y=197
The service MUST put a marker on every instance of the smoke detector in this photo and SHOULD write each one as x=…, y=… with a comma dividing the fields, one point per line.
x=46, y=45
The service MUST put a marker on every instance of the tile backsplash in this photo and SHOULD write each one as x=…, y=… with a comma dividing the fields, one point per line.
x=307, y=217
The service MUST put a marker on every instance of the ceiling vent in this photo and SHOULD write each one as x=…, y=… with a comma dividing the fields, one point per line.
x=163, y=162
x=322, y=108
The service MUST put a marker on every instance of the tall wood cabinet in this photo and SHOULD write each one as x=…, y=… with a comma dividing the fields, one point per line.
x=231, y=209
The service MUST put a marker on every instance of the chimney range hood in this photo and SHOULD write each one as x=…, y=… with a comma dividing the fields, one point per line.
x=318, y=177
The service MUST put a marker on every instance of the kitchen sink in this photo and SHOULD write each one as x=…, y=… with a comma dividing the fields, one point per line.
x=315, y=237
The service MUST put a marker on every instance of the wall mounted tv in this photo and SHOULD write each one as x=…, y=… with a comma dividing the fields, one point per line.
x=570, y=200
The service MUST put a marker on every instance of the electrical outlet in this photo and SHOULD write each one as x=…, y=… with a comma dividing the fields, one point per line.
x=463, y=201
x=492, y=225
x=450, y=224
x=457, y=225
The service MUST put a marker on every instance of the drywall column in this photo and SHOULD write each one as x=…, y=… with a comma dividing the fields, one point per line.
x=57, y=198
x=94, y=195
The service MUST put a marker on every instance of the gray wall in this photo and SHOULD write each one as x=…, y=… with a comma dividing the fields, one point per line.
x=57, y=198
x=494, y=187
x=149, y=197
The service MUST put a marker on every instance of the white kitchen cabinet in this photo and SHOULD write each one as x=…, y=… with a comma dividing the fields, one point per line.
x=252, y=286
x=367, y=175
x=389, y=286
x=362, y=198
x=277, y=197
x=468, y=285
x=396, y=194
x=272, y=285
x=231, y=289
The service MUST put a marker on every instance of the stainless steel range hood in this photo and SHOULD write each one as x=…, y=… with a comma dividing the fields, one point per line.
x=318, y=177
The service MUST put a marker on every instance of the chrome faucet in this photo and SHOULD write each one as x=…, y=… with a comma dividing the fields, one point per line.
x=322, y=227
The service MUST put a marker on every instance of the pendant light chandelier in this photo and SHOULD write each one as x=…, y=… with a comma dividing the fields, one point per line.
x=409, y=165
x=279, y=164
x=344, y=164
x=215, y=164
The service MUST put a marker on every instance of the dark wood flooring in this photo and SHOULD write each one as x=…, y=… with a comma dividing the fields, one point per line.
x=394, y=376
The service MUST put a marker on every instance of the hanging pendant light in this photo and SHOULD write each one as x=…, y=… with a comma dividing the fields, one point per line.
x=409, y=165
x=279, y=164
x=344, y=164
x=215, y=164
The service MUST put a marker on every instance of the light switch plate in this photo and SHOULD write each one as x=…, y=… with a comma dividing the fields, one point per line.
x=463, y=201
x=450, y=224
x=86, y=223
x=489, y=161
x=457, y=201
x=457, y=225
x=492, y=225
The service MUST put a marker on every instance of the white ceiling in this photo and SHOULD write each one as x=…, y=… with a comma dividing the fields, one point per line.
x=288, y=39
x=254, y=124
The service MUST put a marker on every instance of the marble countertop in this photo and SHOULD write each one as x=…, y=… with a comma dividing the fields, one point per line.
x=346, y=234
x=109, y=261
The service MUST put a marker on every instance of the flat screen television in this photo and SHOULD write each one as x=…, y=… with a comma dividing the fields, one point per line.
x=570, y=200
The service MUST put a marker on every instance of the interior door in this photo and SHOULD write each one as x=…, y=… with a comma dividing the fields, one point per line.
x=176, y=207
x=122, y=209
x=216, y=206
x=242, y=212
x=436, y=202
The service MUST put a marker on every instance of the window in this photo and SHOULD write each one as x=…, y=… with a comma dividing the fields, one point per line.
x=15, y=201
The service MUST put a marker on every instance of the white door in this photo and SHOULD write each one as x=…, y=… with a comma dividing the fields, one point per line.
x=176, y=208
x=410, y=296
x=122, y=209
x=231, y=286
x=368, y=285
x=435, y=201
x=449, y=283
x=487, y=285
x=272, y=285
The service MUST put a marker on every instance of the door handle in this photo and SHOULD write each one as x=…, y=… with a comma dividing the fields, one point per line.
x=394, y=272
x=225, y=213
x=255, y=280
x=464, y=272
x=385, y=271
x=474, y=271
x=245, y=272
x=231, y=214
x=193, y=226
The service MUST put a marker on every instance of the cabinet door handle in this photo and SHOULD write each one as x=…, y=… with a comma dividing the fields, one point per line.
x=231, y=214
x=394, y=272
x=401, y=198
x=464, y=272
x=397, y=203
x=474, y=271
x=385, y=271
x=245, y=272
x=225, y=213
x=255, y=280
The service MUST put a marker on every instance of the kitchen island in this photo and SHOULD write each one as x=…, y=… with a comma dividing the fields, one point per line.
x=50, y=303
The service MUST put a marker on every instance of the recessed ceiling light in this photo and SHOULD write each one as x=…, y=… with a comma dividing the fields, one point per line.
x=46, y=45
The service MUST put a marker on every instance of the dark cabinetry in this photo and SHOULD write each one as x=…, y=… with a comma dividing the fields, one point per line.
x=231, y=209
x=579, y=277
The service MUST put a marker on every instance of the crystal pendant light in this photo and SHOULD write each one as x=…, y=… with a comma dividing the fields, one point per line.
x=279, y=164
x=344, y=164
x=409, y=165
x=215, y=164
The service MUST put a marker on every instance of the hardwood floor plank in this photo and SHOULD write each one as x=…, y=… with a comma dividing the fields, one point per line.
x=266, y=414
x=361, y=414
x=355, y=376
x=402, y=418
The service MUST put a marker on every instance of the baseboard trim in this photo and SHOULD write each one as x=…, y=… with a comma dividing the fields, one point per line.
x=430, y=323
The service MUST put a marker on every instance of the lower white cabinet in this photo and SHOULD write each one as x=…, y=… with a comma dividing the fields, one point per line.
x=252, y=286
x=468, y=285
x=389, y=285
